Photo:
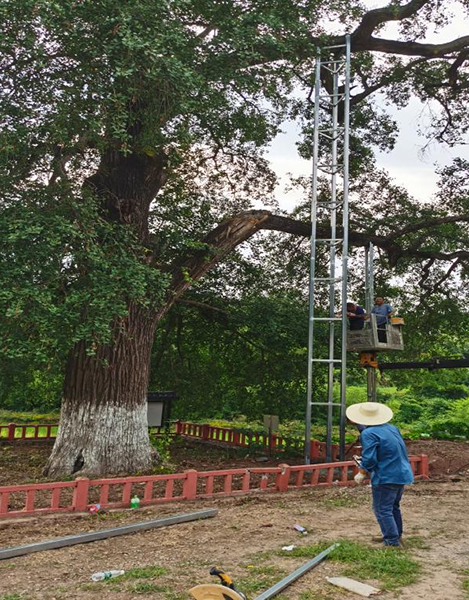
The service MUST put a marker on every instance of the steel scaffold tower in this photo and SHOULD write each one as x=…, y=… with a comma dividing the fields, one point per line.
x=336, y=65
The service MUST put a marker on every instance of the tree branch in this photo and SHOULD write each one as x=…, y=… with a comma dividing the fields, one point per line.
x=412, y=48
x=232, y=232
x=373, y=18
x=427, y=225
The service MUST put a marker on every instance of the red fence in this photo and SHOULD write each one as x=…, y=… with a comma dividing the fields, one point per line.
x=208, y=433
x=246, y=439
x=14, y=432
x=79, y=495
x=18, y=433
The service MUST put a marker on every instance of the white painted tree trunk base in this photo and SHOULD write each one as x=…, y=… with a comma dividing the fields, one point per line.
x=101, y=439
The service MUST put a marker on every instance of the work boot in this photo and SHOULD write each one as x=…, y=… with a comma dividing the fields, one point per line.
x=377, y=539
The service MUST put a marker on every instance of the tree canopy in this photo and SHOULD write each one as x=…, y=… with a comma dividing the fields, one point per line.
x=133, y=164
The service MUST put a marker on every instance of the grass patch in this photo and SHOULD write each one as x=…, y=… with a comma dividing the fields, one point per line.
x=465, y=582
x=144, y=573
x=175, y=596
x=344, y=501
x=417, y=542
x=90, y=587
x=259, y=578
x=392, y=568
x=146, y=587
x=12, y=597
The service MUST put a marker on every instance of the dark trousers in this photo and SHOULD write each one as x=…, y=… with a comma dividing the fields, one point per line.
x=382, y=335
x=386, y=506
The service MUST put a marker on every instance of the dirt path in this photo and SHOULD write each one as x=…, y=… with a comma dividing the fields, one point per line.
x=244, y=539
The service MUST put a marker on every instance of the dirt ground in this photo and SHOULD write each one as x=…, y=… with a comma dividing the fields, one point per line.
x=244, y=539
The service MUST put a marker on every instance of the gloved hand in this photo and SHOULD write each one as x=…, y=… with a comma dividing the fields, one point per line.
x=359, y=477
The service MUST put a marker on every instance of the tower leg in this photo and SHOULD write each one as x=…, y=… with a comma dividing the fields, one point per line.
x=370, y=362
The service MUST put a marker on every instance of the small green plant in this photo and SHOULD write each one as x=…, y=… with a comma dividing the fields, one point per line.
x=12, y=597
x=162, y=444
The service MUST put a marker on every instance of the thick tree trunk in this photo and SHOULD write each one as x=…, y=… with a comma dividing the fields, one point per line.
x=103, y=424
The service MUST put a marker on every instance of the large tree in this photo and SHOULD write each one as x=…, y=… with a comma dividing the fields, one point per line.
x=128, y=127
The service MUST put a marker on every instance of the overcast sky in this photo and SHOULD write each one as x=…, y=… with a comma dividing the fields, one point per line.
x=406, y=163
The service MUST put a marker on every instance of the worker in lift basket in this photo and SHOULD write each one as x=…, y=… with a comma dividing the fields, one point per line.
x=356, y=316
x=384, y=458
x=383, y=312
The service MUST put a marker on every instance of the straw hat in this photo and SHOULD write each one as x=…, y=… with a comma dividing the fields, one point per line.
x=369, y=413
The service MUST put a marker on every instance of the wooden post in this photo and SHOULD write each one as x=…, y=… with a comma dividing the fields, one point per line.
x=80, y=494
x=190, y=485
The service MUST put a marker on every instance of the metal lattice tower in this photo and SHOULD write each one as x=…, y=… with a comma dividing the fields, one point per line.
x=331, y=141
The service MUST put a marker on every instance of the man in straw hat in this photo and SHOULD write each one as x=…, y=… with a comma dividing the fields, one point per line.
x=384, y=457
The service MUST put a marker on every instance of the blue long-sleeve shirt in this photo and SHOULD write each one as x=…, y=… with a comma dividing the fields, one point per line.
x=384, y=455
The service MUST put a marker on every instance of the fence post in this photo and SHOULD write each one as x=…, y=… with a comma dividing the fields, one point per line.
x=283, y=478
x=189, y=491
x=314, y=449
x=424, y=470
x=11, y=432
x=177, y=427
x=80, y=494
x=205, y=431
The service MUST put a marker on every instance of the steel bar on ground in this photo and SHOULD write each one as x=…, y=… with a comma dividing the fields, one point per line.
x=284, y=583
x=105, y=533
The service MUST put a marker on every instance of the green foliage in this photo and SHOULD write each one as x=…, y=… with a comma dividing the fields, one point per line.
x=162, y=443
x=27, y=418
x=250, y=361
x=65, y=275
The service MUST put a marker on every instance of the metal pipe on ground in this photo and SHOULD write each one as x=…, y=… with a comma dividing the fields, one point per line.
x=105, y=533
x=284, y=583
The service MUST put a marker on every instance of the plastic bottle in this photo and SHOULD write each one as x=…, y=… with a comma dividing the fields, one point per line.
x=104, y=575
x=135, y=502
x=300, y=529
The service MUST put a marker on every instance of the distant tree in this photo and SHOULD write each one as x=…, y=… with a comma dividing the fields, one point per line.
x=122, y=121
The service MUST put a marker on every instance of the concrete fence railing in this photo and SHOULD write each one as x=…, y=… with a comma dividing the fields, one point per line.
x=81, y=494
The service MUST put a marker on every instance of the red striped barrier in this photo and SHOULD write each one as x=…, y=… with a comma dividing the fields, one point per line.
x=79, y=495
